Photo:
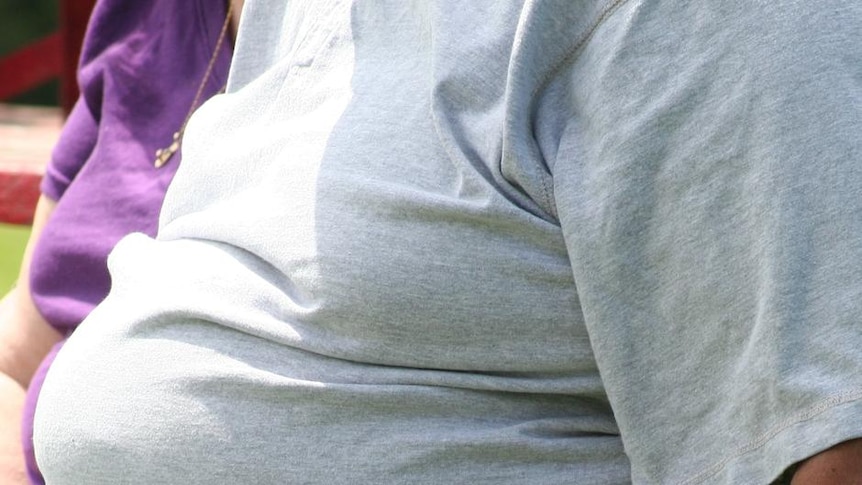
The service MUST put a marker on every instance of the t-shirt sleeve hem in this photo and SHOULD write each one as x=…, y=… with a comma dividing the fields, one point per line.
x=53, y=184
x=764, y=459
x=72, y=150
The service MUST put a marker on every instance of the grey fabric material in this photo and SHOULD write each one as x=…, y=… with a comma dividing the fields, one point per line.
x=476, y=242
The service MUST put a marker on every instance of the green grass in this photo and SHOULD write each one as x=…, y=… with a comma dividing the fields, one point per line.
x=12, y=241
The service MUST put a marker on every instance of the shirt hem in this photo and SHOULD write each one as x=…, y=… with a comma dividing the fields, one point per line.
x=765, y=458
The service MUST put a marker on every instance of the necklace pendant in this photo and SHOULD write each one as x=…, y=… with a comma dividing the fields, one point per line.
x=164, y=155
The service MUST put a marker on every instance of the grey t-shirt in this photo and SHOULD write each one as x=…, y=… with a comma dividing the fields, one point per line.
x=491, y=242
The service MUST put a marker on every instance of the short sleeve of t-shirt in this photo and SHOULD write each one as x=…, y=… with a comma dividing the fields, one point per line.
x=71, y=151
x=709, y=186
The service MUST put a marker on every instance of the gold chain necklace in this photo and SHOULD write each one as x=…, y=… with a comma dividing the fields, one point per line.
x=163, y=155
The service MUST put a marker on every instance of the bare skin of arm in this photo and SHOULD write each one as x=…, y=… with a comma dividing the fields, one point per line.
x=236, y=9
x=25, y=339
x=839, y=465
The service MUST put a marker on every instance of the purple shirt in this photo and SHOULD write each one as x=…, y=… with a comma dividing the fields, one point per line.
x=141, y=65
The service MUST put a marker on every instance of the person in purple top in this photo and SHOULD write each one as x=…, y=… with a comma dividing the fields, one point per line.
x=145, y=66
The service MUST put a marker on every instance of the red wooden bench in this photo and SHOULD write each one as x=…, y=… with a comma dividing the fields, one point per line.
x=27, y=134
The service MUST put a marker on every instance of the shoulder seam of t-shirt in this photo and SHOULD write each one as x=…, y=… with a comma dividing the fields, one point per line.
x=604, y=14
x=760, y=441
x=549, y=202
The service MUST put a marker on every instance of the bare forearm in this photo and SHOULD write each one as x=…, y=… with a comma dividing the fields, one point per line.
x=21, y=348
x=25, y=338
x=12, y=469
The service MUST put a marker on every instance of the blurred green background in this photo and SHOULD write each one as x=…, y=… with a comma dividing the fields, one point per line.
x=12, y=240
x=23, y=22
